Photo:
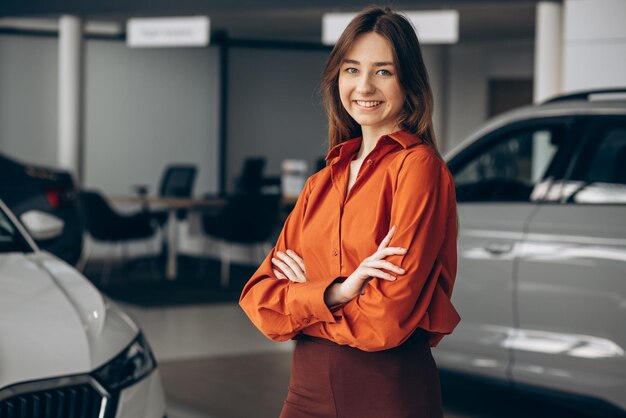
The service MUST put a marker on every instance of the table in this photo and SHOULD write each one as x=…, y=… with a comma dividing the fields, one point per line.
x=173, y=204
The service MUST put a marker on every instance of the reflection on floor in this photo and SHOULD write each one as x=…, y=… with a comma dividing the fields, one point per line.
x=201, y=331
x=252, y=385
x=215, y=364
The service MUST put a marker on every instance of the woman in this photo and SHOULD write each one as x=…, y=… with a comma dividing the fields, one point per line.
x=362, y=273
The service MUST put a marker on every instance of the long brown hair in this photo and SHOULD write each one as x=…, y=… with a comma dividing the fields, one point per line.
x=416, y=115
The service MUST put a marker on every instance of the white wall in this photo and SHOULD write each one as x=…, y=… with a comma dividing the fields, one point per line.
x=146, y=108
x=28, y=97
x=274, y=107
x=595, y=44
x=471, y=66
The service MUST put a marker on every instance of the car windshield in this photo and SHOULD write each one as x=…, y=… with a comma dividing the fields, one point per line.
x=10, y=238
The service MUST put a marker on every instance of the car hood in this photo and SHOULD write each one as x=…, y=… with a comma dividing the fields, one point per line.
x=53, y=321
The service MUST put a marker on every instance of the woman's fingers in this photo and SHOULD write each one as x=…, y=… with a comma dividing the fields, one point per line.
x=286, y=270
x=289, y=268
x=297, y=259
x=393, y=250
x=373, y=272
x=386, y=252
x=372, y=267
x=279, y=275
x=356, y=283
x=387, y=238
x=383, y=264
x=293, y=264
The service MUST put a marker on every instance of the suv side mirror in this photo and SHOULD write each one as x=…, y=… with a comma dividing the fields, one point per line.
x=41, y=225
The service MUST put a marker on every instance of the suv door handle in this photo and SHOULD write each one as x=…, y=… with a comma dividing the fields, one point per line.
x=499, y=247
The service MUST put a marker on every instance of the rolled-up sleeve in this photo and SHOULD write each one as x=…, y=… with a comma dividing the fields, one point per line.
x=280, y=308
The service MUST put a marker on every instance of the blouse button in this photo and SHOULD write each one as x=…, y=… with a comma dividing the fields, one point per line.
x=335, y=252
x=369, y=162
x=306, y=320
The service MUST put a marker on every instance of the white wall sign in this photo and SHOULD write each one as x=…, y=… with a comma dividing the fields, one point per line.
x=167, y=32
x=433, y=27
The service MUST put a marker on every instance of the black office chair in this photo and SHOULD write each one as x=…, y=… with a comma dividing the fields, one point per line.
x=104, y=224
x=251, y=178
x=177, y=181
x=248, y=219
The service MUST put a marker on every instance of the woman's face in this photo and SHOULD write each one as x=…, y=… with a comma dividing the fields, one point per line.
x=368, y=84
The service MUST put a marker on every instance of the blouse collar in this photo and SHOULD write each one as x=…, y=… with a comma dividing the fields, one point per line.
x=404, y=138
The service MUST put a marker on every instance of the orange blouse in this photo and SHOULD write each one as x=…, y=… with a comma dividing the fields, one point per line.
x=401, y=182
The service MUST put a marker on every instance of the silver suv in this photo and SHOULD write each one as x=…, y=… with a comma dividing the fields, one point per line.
x=541, y=285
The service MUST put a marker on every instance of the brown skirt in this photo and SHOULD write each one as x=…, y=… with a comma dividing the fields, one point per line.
x=334, y=381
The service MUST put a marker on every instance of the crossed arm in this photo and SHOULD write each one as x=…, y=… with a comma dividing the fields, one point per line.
x=387, y=296
x=289, y=265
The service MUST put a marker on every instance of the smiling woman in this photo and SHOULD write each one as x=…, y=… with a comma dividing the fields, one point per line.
x=363, y=270
x=368, y=85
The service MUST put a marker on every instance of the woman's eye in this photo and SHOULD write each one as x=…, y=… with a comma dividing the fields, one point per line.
x=351, y=70
x=384, y=72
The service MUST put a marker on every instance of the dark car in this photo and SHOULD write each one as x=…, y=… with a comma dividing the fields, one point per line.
x=30, y=188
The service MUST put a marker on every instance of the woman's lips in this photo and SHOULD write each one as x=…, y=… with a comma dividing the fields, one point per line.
x=368, y=104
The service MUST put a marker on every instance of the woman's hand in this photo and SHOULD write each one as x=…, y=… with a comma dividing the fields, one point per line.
x=372, y=267
x=290, y=265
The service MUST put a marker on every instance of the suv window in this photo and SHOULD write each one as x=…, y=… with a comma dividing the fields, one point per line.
x=599, y=173
x=508, y=167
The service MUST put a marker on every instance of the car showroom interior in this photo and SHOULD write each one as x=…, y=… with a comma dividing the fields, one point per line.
x=163, y=167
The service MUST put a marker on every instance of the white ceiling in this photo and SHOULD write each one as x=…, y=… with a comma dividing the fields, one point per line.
x=479, y=21
x=476, y=22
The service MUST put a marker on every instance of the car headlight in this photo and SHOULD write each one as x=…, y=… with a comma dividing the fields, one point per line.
x=128, y=367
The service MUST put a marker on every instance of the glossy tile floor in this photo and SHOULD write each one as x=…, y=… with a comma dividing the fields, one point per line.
x=215, y=364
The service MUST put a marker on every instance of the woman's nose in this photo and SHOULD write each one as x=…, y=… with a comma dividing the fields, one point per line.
x=365, y=85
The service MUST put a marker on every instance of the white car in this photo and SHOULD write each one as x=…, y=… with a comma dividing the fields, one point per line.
x=541, y=283
x=65, y=350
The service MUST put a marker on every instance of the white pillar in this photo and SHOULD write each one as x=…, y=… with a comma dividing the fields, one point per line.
x=70, y=94
x=548, y=50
